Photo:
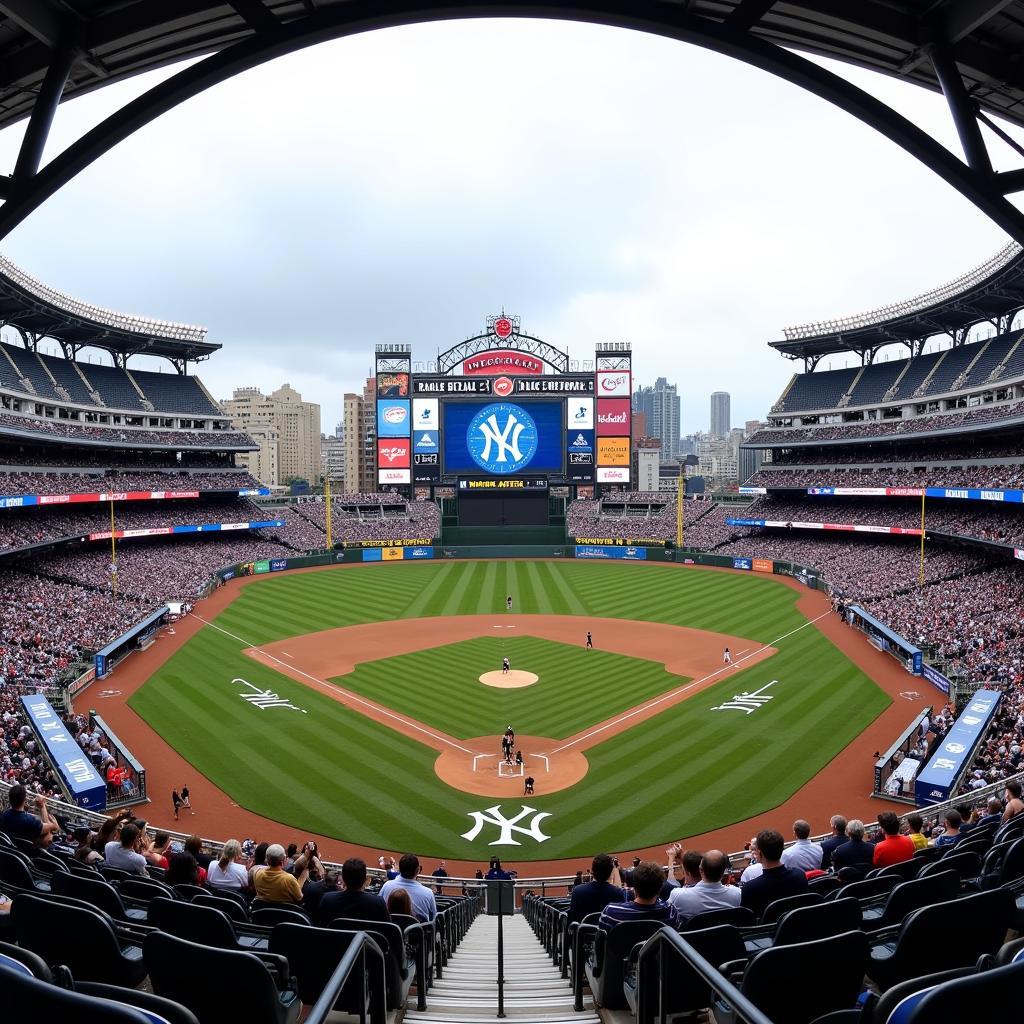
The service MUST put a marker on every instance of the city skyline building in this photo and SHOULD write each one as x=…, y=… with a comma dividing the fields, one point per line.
x=721, y=413
x=660, y=407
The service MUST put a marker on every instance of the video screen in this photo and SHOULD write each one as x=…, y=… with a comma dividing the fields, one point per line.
x=501, y=438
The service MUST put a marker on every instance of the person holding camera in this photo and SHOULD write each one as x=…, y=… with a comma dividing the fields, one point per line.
x=592, y=897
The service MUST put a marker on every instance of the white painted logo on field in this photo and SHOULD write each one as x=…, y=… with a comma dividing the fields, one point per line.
x=493, y=816
x=747, y=702
x=264, y=699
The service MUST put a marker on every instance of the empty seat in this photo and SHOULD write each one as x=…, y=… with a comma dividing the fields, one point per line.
x=741, y=917
x=912, y=895
x=16, y=871
x=98, y=893
x=776, y=909
x=967, y=865
x=244, y=988
x=207, y=925
x=233, y=908
x=868, y=888
x=805, y=924
x=606, y=971
x=399, y=967
x=77, y=936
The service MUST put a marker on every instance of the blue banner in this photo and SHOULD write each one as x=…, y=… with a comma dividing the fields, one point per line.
x=936, y=678
x=742, y=563
x=744, y=522
x=277, y=564
x=975, y=494
x=425, y=552
x=595, y=551
x=371, y=554
x=82, y=780
x=939, y=777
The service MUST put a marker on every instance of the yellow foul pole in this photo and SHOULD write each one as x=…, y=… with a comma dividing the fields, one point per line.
x=113, y=551
x=920, y=578
x=330, y=516
x=679, y=508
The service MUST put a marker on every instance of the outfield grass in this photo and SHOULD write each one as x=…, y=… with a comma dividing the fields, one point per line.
x=576, y=687
x=688, y=770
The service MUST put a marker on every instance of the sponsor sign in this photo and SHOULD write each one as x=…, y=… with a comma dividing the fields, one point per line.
x=612, y=475
x=409, y=542
x=254, y=492
x=502, y=361
x=394, y=476
x=451, y=386
x=426, y=460
x=627, y=553
x=618, y=542
x=954, y=752
x=517, y=484
x=419, y=552
x=763, y=565
x=80, y=777
x=393, y=453
x=261, y=567
x=581, y=458
x=742, y=563
x=425, y=415
x=503, y=327
x=425, y=441
x=580, y=441
x=936, y=678
x=278, y=564
x=579, y=414
x=613, y=384
x=161, y=531
x=909, y=531
x=753, y=490
x=371, y=554
x=393, y=418
x=553, y=385
x=392, y=385
x=613, y=417
x=613, y=451
x=392, y=554
x=82, y=681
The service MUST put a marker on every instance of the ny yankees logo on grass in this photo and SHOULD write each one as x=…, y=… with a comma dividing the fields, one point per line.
x=264, y=699
x=747, y=702
x=493, y=816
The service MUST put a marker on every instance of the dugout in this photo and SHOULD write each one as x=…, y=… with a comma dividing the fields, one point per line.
x=134, y=639
x=885, y=639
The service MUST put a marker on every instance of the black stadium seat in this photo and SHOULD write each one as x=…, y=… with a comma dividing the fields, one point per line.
x=217, y=985
x=235, y=909
x=208, y=926
x=909, y=896
x=967, y=864
x=741, y=917
x=399, y=967
x=805, y=924
x=776, y=909
x=606, y=971
x=98, y=893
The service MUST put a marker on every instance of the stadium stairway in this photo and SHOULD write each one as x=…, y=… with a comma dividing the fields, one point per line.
x=535, y=993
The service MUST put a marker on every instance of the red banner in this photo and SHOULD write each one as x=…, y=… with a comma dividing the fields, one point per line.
x=95, y=496
x=490, y=364
x=393, y=453
x=613, y=417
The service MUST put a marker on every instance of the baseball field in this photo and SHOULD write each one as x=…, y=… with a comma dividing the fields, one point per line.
x=349, y=703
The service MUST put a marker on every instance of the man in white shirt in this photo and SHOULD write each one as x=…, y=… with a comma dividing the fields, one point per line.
x=424, y=906
x=709, y=893
x=753, y=869
x=803, y=854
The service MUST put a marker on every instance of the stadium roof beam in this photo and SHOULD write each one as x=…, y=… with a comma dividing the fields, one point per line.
x=968, y=49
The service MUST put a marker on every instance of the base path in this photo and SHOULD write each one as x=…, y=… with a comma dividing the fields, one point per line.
x=694, y=654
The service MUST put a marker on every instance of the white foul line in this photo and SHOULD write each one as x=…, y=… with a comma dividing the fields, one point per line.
x=380, y=709
x=682, y=689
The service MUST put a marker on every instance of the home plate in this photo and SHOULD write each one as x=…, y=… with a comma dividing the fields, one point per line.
x=511, y=680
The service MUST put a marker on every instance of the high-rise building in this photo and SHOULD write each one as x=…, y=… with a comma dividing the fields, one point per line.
x=332, y=458
x=721, y=415
x=352, y=420
x=660, y=408
x=718, y=460
x=296, y=425
x=368, y=438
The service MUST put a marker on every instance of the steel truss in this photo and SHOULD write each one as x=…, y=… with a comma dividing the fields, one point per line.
x=31, y=183
x=555, y=358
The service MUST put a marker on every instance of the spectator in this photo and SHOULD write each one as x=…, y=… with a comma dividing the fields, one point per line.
x=803, y=854
x=951, y=832
x=275, y=885
x=593, y=897
x=227, y=872
x=916, y=823
x=19, y=823
x=894, y=848
x=259, y=863
x=776, y=881
x=855, y=856
x=1014, y=804
x=834, y=841
x=122, y=852
x=710, y=893
x=424, y=906
x=313, y=892
x=182, y=870
x=83, y=836
x=352, y=903
x=497, y=873
x=157, y=853
x=194, y=845
x=646, y=905
x=754, y=867
x=993, y=815
x=398, y=902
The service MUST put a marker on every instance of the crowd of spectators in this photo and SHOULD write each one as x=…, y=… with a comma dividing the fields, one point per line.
x=638, y=515
x=974, y=448
x=772, y=436
x=75, y=430
x=371, y=517
x=987, y=476
x=77, y=483
x=69, y=458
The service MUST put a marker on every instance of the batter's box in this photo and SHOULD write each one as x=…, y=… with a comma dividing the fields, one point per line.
x=510, y=771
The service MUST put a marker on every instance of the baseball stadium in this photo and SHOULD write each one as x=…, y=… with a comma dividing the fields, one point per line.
x=529, y=729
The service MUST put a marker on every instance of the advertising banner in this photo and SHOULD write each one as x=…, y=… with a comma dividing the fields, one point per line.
x=579, y=414
x=394, y=476
x=81, y=779
x=613, y=451
x=939, y=777
x=613, y=384
x=392, y=554
x=612, y=475
x=161, y=531
x=425, y=414
x=93, y=497
x=278, y=564
x=419, y=552
x=393, y=418
x=426, y=442
x=393, y=453
x=935, y=677
x=613, y=417
x=580, y=441
x=1011, y=496
x=763, y=565
x=392, y=385
x=753, y=490
x=742, y=563
x=631, y=554
x=499, y=361
x=372, y=555
x=848, y=527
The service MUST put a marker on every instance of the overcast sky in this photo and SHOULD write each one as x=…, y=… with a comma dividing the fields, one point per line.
x=402, y=185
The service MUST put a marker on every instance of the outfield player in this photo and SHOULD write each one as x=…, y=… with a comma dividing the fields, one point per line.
x=590, y=641
x=726, y=657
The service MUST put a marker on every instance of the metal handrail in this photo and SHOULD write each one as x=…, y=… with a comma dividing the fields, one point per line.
x=356, y=953
x=670, y=941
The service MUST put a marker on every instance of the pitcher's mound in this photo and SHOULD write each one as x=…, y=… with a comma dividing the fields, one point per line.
x=511, y=680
